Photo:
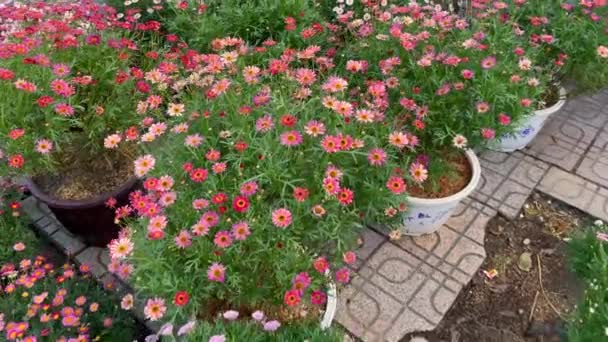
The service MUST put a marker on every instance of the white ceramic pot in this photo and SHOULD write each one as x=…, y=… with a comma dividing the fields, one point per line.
x=528, y=128
x=332, y=306
x=426, y=215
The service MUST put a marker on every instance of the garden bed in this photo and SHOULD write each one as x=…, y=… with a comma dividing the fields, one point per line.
x=511, y=306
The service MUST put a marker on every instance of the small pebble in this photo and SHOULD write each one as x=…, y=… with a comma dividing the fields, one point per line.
x=541, y=219
x=520, y=311
x=526, y=241
x=598, y=222
x=549, y=201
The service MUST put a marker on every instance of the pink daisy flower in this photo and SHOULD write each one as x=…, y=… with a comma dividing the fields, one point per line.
x=343, y=275
x=335, y=84
x=111, y=141
x=488, y=62
x=249, y=188
x=281, y=217
x=64, y=109
x=144, y=164
x=398, y=139
x=330, y=144
x=218, y=168
x=44, y=146
x=396, y=185
x=331, y=186
x=291, y=138
x=345, y=197
x=305, y=76
x=376, y=157
x=194, y=140
x=165, y=183
x=216, y=272
x=200, y=229
x=314, y=128
x=504, y=119
x=183, y=239
x=222, y=239
x=482, y=107
x=488, y=133
x=240, y=231
x=210, y=219
x=200, y=203
x=120, y=248
x=158, y=222
x=61, y=69
x=418, y=172
x=264, y=124
x=155, y=309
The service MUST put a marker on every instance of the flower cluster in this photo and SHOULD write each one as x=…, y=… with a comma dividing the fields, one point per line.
x=62, y=304
x=271, y=155
x=557, y=28
x=67, y=80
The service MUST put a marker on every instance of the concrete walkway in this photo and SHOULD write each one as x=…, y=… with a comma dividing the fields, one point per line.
x=408, y=285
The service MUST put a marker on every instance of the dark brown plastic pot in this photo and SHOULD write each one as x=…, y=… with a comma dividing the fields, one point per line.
x=89, y=218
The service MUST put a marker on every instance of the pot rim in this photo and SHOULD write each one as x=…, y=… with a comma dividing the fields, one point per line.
x=77, y=204
x=460, y=195
x=332, y=304
x=556, y=106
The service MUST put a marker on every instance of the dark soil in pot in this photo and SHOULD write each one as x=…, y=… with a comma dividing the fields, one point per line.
x=457, y=175
x=78, y=192
x=550, y=97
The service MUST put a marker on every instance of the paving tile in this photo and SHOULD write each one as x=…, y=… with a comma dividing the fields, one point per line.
x=408, y=285
x=563, y=140
x=366, y=310
x=595, y=163
x=371, y=241
x=67, y=242
x=576, y=191
x=33, y=208
x=97, y=258
x=47, y=225
x=507, y=179
x=592, y=110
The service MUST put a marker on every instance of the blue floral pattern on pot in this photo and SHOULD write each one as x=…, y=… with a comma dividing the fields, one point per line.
x=526, y=131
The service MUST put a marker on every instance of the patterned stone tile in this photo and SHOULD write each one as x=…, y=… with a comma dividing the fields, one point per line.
x=97, y=258
x=370, y=242
x=408, y=285
x=595, y=163
x=507, y=180
x=563, y=140
x=68, y=243
x=34, y=209
x=576, y=191
x=592, y=110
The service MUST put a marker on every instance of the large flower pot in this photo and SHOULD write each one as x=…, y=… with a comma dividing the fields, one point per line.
x=89, y=218
x=528, y=128
x=426, y=215
x=332, y=306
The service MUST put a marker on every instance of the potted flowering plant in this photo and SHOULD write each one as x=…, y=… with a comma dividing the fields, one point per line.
x=444, y=87
x=557, y=28
x=501, y=21
x=253, y=189
x=66, y=88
